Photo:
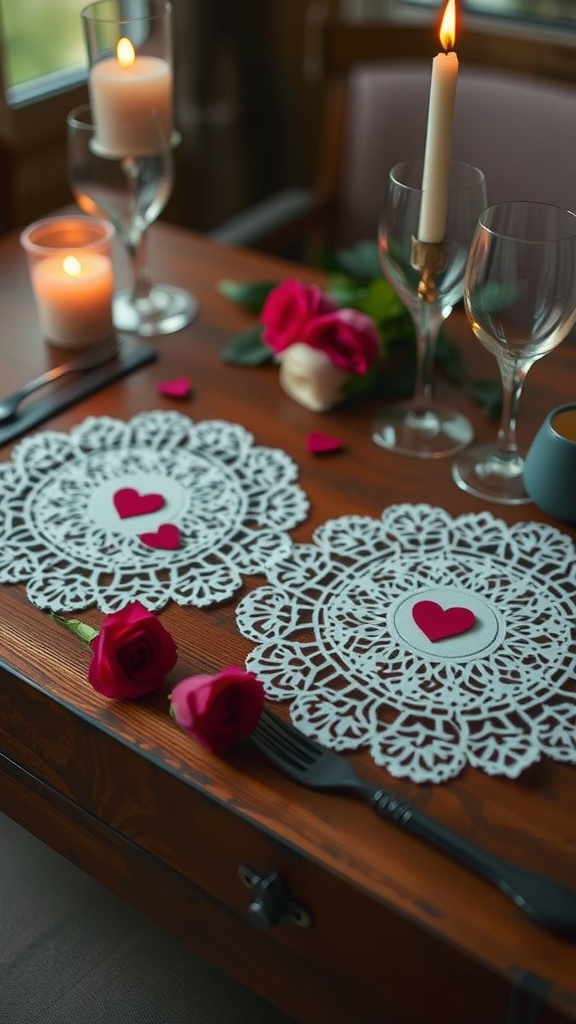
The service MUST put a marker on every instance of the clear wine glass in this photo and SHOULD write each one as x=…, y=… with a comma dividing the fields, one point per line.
x=422, y=427
x=520, y=299
x=130, y=189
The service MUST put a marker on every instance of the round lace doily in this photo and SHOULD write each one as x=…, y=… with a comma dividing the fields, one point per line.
x=225, y=505
x=336, y=635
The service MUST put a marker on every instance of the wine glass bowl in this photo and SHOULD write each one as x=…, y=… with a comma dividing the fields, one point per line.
x=423, y=427
x=99, y=177
x=520, y=300
x=130, y=190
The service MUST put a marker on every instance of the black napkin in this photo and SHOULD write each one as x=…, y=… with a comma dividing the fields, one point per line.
x=131, y=354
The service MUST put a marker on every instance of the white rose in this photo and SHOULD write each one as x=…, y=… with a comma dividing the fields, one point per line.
x=310, y=377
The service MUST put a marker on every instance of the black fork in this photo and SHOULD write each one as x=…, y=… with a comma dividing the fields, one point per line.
x=549, y=903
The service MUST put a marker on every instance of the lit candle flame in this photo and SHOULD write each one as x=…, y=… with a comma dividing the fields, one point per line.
x=71, y=266
x=448, y=26
x=125, y=52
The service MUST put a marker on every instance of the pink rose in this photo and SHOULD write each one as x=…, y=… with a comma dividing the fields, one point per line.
x=132, y=653
x=288, y=309
x=217, y=710
x=349, y=338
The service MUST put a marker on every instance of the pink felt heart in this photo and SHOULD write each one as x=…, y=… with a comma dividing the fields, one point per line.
x=438, y=623
x=129, y=502
x=177, y=388
x=319, y=443
x=166, y=538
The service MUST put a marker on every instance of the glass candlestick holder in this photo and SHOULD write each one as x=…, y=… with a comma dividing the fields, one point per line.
x=126, y=135
x=429, y=279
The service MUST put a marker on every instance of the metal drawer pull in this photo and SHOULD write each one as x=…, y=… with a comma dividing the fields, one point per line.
x=270, y=905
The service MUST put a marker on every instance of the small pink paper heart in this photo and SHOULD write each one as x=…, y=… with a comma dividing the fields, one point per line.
x=438, y=623
x=128, y=502
x=177, y=388
x=166, y=538
x=318, y=443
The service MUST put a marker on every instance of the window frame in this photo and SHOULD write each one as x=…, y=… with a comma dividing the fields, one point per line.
x=28, y=125
x=31, y=134
x=398, y=9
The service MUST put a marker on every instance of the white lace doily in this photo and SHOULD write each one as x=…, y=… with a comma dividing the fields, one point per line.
x=336, y=637
x=228, y=501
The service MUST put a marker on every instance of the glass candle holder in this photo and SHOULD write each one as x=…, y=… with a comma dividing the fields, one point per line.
x=71, y=270
x=130, y=53
x=129, y=128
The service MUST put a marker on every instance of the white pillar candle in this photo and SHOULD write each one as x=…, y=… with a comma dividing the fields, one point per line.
x=74, y=298
x=432, y=222
x=123, y=91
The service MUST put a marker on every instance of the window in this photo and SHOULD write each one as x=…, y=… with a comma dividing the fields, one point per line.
x=553, y=14
x=43, y=47
x=43, y=71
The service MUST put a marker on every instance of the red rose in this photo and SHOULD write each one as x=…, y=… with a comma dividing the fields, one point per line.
x=349, y=338
x=217, y=710
x=287, y=310
x=132, y=653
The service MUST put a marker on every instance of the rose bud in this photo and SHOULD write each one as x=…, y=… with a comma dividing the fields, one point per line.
x=217, y=710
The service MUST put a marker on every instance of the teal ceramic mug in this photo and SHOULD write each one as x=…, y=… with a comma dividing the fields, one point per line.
x=550, y=465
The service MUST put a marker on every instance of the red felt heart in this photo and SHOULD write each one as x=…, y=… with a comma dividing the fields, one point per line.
x=319, y=443
x=438, y=623
x=177, y=388
x=128, y=502
x=167, y=538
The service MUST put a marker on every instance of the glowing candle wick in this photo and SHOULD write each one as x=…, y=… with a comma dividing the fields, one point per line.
x=125, y=52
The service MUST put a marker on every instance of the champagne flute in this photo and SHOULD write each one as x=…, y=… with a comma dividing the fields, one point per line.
x=129, y=183
x=422, y=427
x=520, y=299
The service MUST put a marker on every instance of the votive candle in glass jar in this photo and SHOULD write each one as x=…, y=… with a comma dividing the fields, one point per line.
x=71, y=270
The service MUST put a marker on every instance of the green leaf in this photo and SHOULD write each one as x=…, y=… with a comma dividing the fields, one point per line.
x=362, y=384
x=345, y=291
x=380, y=301
x=251, y=295
x=489, y=394
x=247, y=348
x=398, y=333
x=360, y=260
x=84, y=632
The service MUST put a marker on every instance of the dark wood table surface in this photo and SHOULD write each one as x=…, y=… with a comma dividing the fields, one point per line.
x=399, y=932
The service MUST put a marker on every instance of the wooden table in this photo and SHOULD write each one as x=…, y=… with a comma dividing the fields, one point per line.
x=400, y=933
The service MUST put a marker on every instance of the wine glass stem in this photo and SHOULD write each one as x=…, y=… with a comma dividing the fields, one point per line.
x=136, y=237
x=138, y=253
x=513, y=377
x=427, y=325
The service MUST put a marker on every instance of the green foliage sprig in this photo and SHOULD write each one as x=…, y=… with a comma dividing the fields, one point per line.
x=355, y=281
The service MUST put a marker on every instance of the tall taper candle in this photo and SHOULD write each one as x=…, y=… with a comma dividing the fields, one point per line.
x=432, y=222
